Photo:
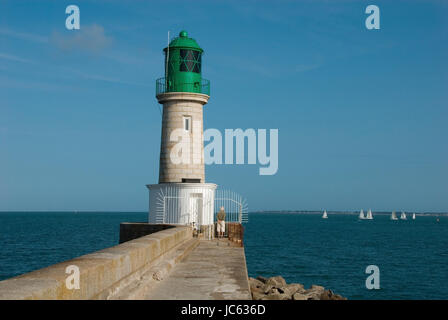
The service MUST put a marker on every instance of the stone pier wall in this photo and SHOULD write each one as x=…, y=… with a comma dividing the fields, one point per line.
x=234, y=231
x=102, y=274
x=133, y=230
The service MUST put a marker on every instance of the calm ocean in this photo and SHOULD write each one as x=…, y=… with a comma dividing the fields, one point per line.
x=412, y=255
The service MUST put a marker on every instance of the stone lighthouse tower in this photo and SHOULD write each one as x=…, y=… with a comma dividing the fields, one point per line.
x=182, y=196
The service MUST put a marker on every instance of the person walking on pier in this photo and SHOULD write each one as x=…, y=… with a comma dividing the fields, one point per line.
x=221, y=225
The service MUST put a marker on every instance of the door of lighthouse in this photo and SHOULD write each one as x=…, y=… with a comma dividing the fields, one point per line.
x=196, y=209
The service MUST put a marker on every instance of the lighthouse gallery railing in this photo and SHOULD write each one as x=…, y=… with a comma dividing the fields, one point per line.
x=164, y=86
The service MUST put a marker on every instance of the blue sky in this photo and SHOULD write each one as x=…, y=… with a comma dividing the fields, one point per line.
x=361, y=114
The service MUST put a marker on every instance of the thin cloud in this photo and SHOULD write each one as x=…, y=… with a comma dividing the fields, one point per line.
x=6, y=82
x=23, y=35
x=96, y=77
x=14, y=58
x=270, y=67
x=306, y=67
x=112, y=80
x=89, y=38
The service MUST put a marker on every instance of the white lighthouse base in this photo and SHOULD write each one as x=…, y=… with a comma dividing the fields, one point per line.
x=183, y=204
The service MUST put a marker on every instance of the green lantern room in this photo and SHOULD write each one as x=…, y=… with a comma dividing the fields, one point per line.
x=183, y=66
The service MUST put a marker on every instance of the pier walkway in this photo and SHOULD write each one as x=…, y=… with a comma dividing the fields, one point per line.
x=214, y=270
x=149, y=263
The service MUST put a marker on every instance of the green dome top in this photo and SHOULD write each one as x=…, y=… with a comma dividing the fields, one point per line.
x=183, y=41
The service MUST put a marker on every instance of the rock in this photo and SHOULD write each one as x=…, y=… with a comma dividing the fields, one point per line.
x=317, y=288
x=255, y=284
x=267, y=288
x=276, y=288
x=327, y=295
x=315, y=292
x=292, y=288
x=276, y=296
x=277, y=282
x=273, y=291
x=299, y=296
x=258, y=295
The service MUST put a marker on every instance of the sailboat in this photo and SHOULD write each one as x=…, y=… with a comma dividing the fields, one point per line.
x=393, y=216
x=361, y=215
x=369, y=215
x=413, y=216
x=403, y=216
x=325, y=216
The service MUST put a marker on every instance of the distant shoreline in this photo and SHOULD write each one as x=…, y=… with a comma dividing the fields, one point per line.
x=429, y=214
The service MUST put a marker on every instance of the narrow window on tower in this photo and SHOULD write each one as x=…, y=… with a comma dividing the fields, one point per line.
x=187, y=124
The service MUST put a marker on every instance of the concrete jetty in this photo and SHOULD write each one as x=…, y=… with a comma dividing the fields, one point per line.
x=215, y=270
x=168, y=264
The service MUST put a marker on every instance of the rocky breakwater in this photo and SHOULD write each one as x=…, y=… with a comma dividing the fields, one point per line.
x=276, y=288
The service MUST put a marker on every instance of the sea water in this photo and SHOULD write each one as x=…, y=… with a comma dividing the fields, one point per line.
x=412, y=255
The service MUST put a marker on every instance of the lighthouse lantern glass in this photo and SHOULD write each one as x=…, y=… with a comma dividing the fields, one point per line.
x=190, y=61
x=183, y=59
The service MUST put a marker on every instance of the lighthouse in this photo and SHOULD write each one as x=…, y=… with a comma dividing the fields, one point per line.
x=182, y=196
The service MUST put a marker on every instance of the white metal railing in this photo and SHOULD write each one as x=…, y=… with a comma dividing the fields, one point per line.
x=173, y=207
x=235, y=206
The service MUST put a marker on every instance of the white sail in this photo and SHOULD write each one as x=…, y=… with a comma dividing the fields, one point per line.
x=325, y=216
x=361, y=215
x=369, y=215
x=393, y=216
x=403, y=216
x=413, y=216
